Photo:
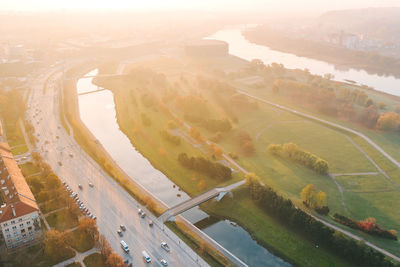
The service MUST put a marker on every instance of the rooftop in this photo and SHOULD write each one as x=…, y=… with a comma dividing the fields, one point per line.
x=14, y=190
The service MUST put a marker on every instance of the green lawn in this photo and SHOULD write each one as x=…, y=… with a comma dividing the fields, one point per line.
x=62, y=220
x=94, y=260
x=266, y=230
x=15, y=137
x=29, y=168
x=79, y=241
x=366, y=183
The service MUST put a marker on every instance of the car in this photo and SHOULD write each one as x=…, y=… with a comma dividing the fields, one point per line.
x=140, y=211
x=91, y=185
x=123, y=228
x=94, y=218
x=150, y=223
x=164, y=262
x=146, y=256
x=124, y=246
x=80, y=186
x=165, y=246
x=119, y=232
x=143, y=215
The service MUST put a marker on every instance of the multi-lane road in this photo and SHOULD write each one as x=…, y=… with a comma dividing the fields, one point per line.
x=106, y=200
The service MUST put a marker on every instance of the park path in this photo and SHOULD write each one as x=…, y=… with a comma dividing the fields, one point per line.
x=78, y=258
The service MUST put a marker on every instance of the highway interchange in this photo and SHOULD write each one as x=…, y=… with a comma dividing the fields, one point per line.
x=106, y=200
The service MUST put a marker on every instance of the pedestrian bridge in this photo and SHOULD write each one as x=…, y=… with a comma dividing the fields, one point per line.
x=218, y=193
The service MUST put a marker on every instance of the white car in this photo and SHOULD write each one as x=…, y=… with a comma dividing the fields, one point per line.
x=164, y=262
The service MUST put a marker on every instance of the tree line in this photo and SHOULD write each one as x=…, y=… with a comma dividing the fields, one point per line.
x=305, y=158
x=296, y=219
x=212, y=169
x=173, y=139
x=368, y=225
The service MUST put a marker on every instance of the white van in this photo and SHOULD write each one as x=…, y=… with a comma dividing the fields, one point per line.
x=124, y=246
x=146, y=256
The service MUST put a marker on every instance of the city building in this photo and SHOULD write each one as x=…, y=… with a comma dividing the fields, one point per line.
x=19, y=212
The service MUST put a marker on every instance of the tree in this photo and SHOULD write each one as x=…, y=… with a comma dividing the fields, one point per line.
x=369, y=116
x=389, y=121
x=114, y=260
x=320, y=199
x=274, y=148
x=201, y=185
x=52, y=181
x=103, y=246
x=290, y=148
x=321, y=166
x=253, y=183
x=218, y=152
x=35, y=184
x=307, y=195
x=89, y=227
x=54, y=244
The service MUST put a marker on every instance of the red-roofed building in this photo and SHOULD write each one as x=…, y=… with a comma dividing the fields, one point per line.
x=19, y=212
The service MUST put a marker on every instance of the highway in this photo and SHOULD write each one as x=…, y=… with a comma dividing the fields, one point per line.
x=106, y=200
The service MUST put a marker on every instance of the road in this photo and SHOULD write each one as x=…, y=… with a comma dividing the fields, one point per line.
x=107, y=200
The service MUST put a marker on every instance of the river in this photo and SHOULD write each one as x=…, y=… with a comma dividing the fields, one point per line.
x=97, y=111
x=240, y=47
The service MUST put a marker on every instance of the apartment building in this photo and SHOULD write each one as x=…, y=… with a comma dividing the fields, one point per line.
x=19, y=212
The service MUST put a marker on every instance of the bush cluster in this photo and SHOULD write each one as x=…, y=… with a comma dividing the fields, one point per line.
x=203, y=165
x=173, y=139
x=368, y=226
x=305, y=158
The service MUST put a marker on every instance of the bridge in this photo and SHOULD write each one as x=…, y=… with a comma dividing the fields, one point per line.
x=94, y=91
x=218, y=193
x=92, y=76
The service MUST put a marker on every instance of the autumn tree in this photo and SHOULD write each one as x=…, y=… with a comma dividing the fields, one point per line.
x=55, y=244
x=103, y=246
x=252, y=181
x=321, y=166
x=114, y=260
x=307, y=194
x=218, y=152
x=320, y=199
x=201, y=185
x=389, y=121
x=89, y=227
x=274, y=148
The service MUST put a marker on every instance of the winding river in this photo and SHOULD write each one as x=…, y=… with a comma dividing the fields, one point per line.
x=240, y=47
x=97, y=111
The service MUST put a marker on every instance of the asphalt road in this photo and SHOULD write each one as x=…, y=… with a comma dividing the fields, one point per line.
x=107, y=200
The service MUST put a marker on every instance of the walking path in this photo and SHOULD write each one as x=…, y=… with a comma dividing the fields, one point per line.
x=79, y=257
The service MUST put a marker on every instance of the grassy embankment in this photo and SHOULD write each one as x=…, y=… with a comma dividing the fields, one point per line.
x=88, y=142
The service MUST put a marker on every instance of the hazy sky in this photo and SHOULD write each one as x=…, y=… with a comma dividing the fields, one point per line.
x=204, y=5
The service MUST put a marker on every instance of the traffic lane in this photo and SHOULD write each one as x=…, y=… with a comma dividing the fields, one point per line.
x=59, y=157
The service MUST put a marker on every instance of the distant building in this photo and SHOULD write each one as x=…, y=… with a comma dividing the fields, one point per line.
x=19, y=212
x=207, y=48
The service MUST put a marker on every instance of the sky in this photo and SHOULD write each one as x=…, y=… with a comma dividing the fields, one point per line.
x=201, y=5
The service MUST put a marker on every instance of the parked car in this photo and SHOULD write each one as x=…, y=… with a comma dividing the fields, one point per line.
x=119, y=232
x=165, y=246
x=91, y=185
x=123, y=228
x=150, y=223
x=80, y=186
x=164, y=262
x=143, y=214
x=140, y=211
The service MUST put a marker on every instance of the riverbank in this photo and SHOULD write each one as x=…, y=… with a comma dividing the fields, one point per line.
x=88, y=142
x=343, y=58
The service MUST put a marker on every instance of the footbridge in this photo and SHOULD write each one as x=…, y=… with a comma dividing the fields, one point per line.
x=218, y=193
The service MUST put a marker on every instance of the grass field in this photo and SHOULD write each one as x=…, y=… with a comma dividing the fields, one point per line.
x=62, y=220
x=15, y=137
x=94, y=260
x=279, y=240
x=79, y=241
